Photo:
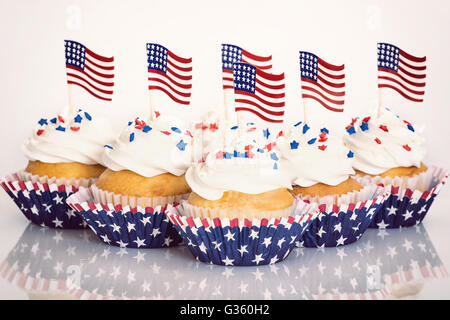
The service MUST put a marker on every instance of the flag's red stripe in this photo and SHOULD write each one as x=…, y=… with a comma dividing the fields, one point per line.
x=260, y=67
x=182, y=69
x=255, y=57
x=411, y=57
x=227, y=79
x=322, y=103
x=258, y=114
x=332, y=76
x=399, y=91
x=402, y=85
x=270, y=104
x=329, y=65
x=331, y=84
x=269, y=76
x=339, y=102
x=90, y=84
x=177, y=58
x=99, y=57
x=334, y=93
x=179, y=76
x=416, y=84
x=106, y=84
x=88, y=90
x=418, y=68
x=103, y=75
x=98, y=65
x=227, y=71
x=183, y=94
x=228, y=87
x=175, y=83
x=274, y=113
x=412, y=75
x=169, y=94
x=269, y=94
x=270, y=86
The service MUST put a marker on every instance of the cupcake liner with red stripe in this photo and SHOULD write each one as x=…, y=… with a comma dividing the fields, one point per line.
x=407, y=207
x=338, y=225
x=241, y=242
x=43, y=203
x=125, y=226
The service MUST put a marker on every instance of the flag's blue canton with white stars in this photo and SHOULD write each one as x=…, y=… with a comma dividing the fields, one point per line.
x=308, y=66
x=157, y=57
x=404, y=211
x=132, y=230
x=46, y=207
x=230, y=54
x=388, y=56
x=75, y=54
x=244, y=77
x=242, y=246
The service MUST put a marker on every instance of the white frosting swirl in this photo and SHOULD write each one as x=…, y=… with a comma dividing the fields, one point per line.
x=77, y=137
x=150, y=149
x=315, y=157
x=384, y=142
x=237, y=164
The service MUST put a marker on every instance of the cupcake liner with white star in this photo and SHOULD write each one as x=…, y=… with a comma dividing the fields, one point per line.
x=241, y=242
x=43, y=203
x=406, y=207
x=338, y=225
x=125, y=226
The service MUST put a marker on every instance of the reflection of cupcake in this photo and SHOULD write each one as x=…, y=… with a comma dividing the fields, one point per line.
x=321, y=166
x=388, y=151
x=64, y=153
x=241, y=190
x=145, y=172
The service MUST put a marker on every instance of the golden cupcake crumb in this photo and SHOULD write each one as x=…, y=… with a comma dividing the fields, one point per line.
x=323, y=190
x=67, y=170
x=398, y=172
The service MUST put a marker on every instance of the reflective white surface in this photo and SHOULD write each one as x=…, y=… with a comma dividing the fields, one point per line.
x=45, y=263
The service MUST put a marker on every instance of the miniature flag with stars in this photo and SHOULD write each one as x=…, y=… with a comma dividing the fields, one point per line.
x=234, y=54
x=89, y=70
x=169, y=73
x=401, y=71
x=259, y=92
x=322, y=81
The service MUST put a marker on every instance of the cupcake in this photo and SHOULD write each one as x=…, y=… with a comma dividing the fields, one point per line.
x=389, y=151
x=240, y=209
x=145, y=172
x=64, y=153
x=321, y=169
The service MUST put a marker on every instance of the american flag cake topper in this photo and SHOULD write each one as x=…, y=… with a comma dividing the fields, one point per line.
x=401, y=71
x=89, y=70
x=234, y=54
x=259, y=92
x=169, y=73
x=322, y=81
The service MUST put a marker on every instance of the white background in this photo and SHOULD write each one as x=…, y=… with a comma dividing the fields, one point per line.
x=33, y=81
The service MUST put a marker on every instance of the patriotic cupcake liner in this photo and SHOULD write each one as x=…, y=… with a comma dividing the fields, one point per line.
x=125, y=226
x=241, y=242
x=338, y=225
x=410, y=198
x=43, y=203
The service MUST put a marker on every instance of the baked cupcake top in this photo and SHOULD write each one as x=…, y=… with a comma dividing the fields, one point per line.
x=384, y=142
x=314, y=156
x=77, y=137
x=237, y=163
x=153, y=148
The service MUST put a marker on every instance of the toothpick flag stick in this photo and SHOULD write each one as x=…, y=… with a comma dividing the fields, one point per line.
x=168, y=73
x=322, y=82
x=88, y=70
x=401, y=72
x=234, y=54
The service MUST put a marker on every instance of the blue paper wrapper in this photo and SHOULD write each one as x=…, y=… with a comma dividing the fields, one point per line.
x=338, y=225
x=407, y=207
x=42, y=203
x=241, y=242
x=125, y=226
